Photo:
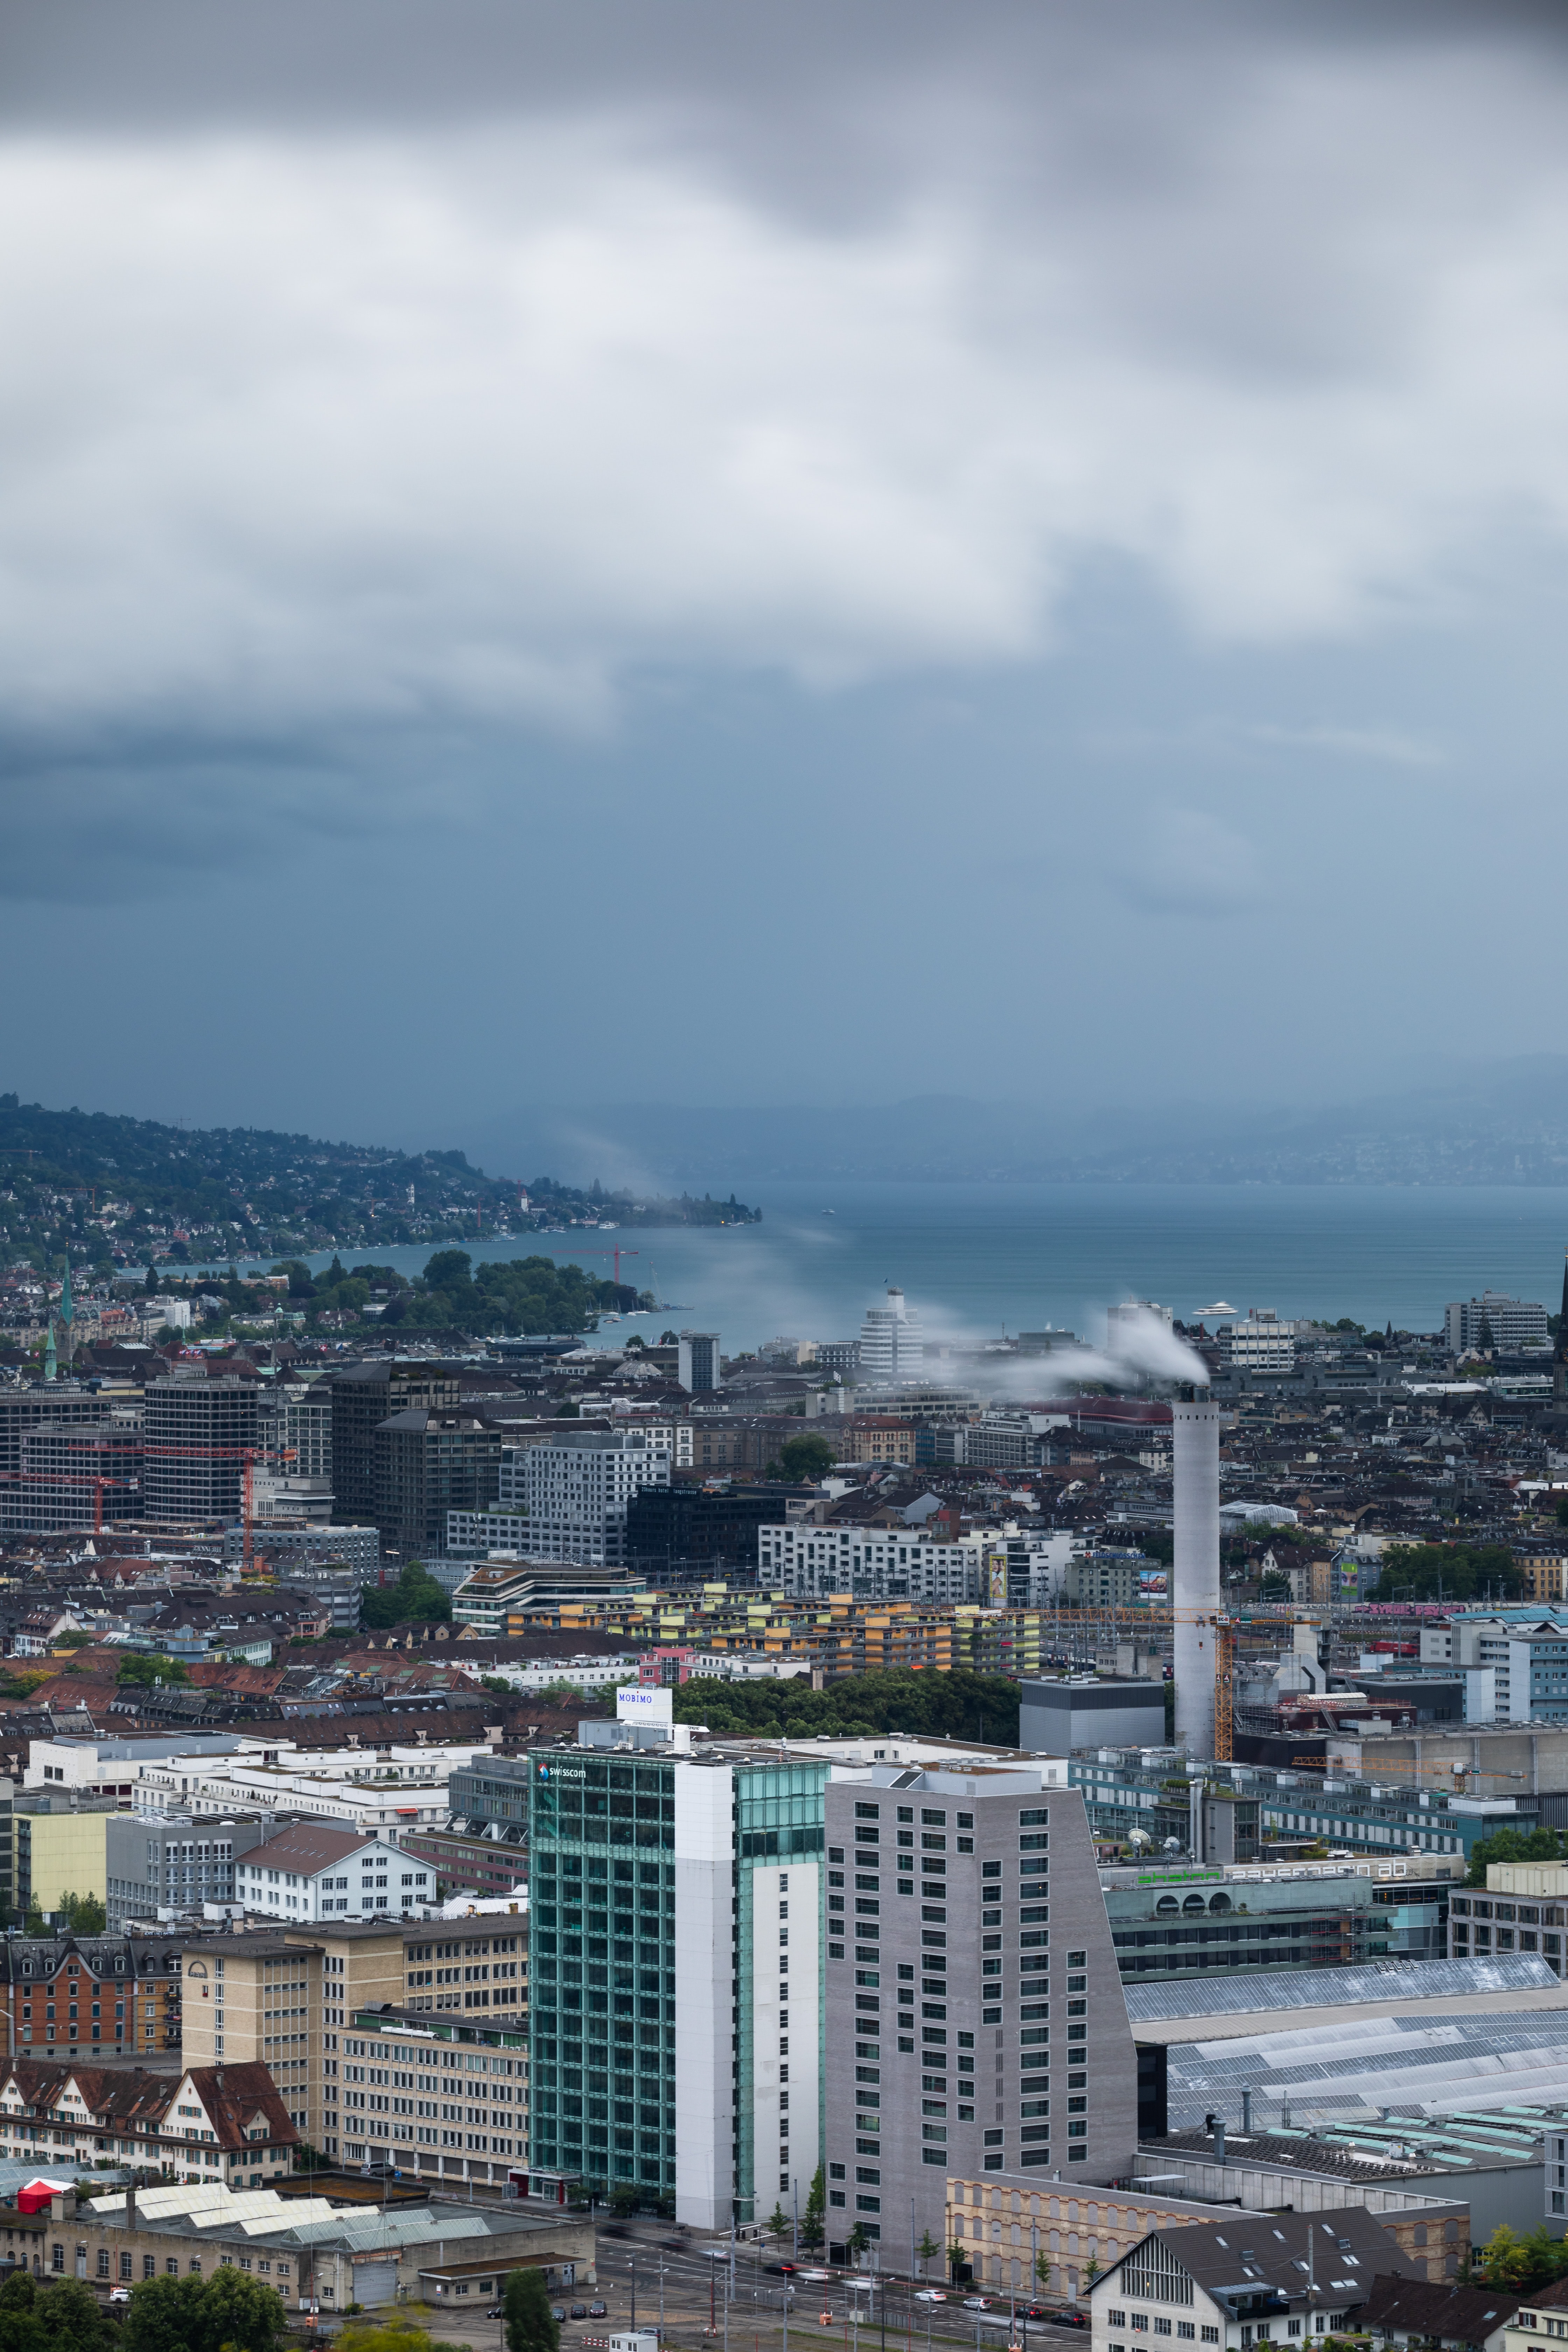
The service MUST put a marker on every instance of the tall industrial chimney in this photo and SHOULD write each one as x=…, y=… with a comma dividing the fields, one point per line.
x=1195, y=1572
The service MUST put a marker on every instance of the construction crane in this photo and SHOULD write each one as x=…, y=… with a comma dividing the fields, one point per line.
x=65, y=1478
x=245, y=1454
x=616, y=1254
x=1224, y=1690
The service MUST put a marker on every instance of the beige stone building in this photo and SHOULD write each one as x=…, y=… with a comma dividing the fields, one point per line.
x=402, y=2044
x=308, y=2250
x=1004, y=2224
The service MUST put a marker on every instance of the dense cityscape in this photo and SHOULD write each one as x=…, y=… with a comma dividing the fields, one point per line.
x=643, y=1725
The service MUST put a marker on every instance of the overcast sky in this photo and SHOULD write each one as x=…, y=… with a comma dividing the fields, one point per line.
x=746, y=555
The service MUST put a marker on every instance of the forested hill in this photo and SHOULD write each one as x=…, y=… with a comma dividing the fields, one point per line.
x=128, y=1191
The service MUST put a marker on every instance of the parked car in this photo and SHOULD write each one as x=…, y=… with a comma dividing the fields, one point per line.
x=598, y=2311
x=119, y=2294
x=557, y=2313
x=579, y=2311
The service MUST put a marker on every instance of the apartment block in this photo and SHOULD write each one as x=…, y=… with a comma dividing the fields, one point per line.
x=74, y=1996
x=870, y=1563
x=965, y=1929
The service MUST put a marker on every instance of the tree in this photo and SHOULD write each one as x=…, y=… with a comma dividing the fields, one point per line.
x=1513, y=1845
x=145, y=1671
x=928, y=2247
x=84, y=1914
x=193, y=2314
x=858, y=2241
x=1043, y=2270
x=63, y=2317
x=529, y=2327
x=77, y=1641
x=777, y=2221
x=415, y=1599
x=806, y=1457
x=813, y=2225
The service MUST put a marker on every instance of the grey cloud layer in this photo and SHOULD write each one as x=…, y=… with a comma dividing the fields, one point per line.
x=399, y=370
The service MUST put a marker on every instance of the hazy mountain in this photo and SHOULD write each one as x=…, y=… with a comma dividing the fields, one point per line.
x=1502, y=1124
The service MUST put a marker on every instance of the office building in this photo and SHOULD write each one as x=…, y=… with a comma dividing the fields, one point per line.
x=172, y=1862
x=682, y=1531
x=974, y=2019
x=1054, y=1717
x=428, y=1464
x=1258, y=1342
x=359, y=1549
x=576, y=1491
x=891, y=1347
x=197, y=1435
x=676, y=2027
x=295, y=1425
x=363, y=1397
x=57, y=1403
x=1264, y=1810
x=1494, y=1320
x=871, y=1563
x=699, y=1368
x=1257, y=1916
x=74, y=1476
x=58, y=1847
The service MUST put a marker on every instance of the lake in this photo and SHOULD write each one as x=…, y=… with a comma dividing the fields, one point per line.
x=981, y=1259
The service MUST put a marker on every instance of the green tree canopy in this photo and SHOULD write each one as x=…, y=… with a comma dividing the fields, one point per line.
x=145, y=1671
x=1465, y=1572
x=962, y=1705
x=526, y=2303
x=193, y=2314
x=84, y=1914
x=806, y=1457
x=415, y=1600
x=813, y=2221
x=516, y=1296
x=1515, y=1845
x=64, y=2316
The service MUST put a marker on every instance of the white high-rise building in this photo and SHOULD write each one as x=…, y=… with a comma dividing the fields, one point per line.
x=892, y=1347
x=577, y=1490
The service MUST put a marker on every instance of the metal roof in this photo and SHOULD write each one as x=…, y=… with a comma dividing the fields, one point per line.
x=1336, y=1988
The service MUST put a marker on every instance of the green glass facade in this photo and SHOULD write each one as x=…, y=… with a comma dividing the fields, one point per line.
x=605, y=1929
x=602, y=1841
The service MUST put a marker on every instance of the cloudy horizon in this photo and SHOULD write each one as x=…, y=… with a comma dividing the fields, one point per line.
x=577, y=559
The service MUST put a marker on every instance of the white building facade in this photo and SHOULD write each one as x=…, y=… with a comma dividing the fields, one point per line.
x=576, y=1489
x=874, y=1563
x=891, y=1347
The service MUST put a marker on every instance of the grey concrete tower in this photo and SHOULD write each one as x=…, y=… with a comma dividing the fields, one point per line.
x=1194, y=1575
